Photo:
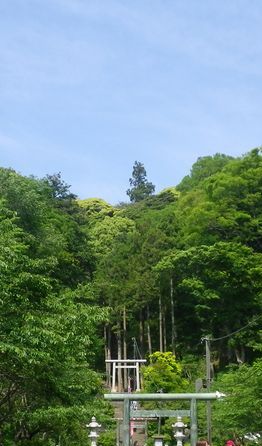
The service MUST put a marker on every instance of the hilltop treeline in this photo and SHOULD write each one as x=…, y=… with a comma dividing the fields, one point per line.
x=185, y=263
x=82, y=281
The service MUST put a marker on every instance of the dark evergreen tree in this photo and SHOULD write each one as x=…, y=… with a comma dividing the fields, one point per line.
x=140, y=188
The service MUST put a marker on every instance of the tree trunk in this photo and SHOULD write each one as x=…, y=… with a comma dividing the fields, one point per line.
x=105, y=342
x=240, y=355
x=107, y=336
x=125, y=348
x=173, y=327
x=141, y=332
x=164, y=328
x=109, y=351
x=119, y=356
x=160, y=325
x=149, y=341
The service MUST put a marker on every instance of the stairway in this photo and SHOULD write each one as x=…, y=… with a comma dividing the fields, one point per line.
x=137, y=427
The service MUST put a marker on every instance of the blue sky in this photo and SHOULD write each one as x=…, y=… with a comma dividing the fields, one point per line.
x=89, y=86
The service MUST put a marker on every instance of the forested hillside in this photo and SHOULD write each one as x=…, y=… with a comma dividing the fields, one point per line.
x=83, y=281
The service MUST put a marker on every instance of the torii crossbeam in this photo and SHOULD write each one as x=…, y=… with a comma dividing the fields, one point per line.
x=192, y=397
x=125, y=364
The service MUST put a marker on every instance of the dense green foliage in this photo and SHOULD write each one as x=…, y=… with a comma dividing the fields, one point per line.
x=81, y=279
x=240, y=412
x=49, y=330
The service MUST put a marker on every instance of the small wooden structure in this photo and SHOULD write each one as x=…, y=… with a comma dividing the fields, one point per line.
x=125, y=364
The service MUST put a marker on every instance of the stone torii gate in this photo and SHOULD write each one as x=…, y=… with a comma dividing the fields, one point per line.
x=124, y=364
x=128, y=413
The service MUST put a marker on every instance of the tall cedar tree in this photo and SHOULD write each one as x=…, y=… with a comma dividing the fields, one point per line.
x=140, y=188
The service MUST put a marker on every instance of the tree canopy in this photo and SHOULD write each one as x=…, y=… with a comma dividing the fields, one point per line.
x=82, y=281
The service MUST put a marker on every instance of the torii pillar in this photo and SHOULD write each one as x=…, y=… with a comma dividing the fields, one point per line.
x=125, y=364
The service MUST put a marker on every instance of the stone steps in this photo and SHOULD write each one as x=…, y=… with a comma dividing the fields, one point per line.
x=138, y=437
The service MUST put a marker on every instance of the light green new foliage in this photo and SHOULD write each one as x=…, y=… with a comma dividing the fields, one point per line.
x=163, y=374
x=109, y=231
x=95, y=209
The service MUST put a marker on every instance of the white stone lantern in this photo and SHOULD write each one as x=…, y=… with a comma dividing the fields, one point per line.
x=93, y=426
x=158, y=440
x=179, y=431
